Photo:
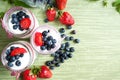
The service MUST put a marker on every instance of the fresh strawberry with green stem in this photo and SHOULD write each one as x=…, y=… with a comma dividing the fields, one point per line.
x=44, y=72
x=28, y=75
x=38, y=39
x=25, y=23
x=65, y=18
x=51, y=14
x=61, y=4
x=17, y=51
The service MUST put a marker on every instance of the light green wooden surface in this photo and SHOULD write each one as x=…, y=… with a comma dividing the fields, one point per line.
x=97, y=57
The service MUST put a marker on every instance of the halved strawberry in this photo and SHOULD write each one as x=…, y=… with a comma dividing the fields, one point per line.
x=17, y=51
x=38, y=39
x=25, y=23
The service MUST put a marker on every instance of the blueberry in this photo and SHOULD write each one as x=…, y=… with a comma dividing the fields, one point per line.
x=17, y=57
x=19, y=18
x=21, y=13
x=72, y=49
x=49, y=43
x=56, y=59
x=73, y=32
x=12, y=59
x=46, y=20
x=48, y=1
x=27, y=16
x=15, y=20
x=49, y=38
x=48, y=48
x=21, y=55
x=10, y=64
x=48, y=63
x=67, y=38
x=53, y=46
x=51, y=67
x=8, y=52
x=42, y=47
x=15, y=27
x=44, y=39
x=63, y=35
x=53, y=54
x=76, y=40
x=54, y=40
x=53, y=62
x=11, y=48
x=71, y=38
x=61, y=30
x=69, y=55
x=7, y=57
x=62, y=46
x=12, y=21
x=62, y=60
x=57, y=55
x=67, y=44
x=69, y=27
x=57, y=64
x=20, y=28
x=44, y=33
x=13, y=15
x=18, y=63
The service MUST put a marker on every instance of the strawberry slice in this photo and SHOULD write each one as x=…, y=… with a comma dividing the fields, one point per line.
x=25, y=23
x=17, y=51
x=45, y=72
x=38, y=39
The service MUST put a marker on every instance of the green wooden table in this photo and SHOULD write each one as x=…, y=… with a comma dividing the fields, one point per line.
x=97, y=57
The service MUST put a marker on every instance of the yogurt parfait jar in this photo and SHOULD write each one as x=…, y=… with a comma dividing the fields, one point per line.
x=18, y=56
x=19, y=22
x=46, y=39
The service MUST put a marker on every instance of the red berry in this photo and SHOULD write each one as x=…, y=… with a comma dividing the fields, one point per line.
x=66, y=19
x=17, y=51
x=27, y=75
x=38, y=39
x=61, y=4
x=51, y=14
x=45, y=72
x=25, y=23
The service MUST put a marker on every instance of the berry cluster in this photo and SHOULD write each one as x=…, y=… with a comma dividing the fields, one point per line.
x=20, y=21
x=13, y=54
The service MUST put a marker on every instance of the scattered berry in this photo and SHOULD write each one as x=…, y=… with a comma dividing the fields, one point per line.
x=10, y=64
x=76, y=40
x=51, y=14
x=69, y=27
x=61, y=30
x=18, y=63
x=73, y=32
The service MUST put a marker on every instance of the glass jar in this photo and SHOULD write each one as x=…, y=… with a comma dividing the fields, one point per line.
x=18, y=62
x=10, y=16
x=51, y=32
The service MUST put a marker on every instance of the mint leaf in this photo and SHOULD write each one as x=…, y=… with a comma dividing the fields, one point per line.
x=116, y=4
x=105, y=3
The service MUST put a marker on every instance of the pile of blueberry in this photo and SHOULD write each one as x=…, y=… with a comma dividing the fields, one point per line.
x=16, y=18
x=12, y=59
x=49, y=41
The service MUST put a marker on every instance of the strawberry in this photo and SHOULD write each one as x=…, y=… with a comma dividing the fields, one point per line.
x=44, y=72
x=51, y=14
x=25, y=23
x=17, y=51
x=61, y=4
x=28, y=75
x=66, y=19
x=38, y=39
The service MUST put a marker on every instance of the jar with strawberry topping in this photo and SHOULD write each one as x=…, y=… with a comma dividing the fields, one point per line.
x=19, y=22
x=17, y=57
x=46, y=39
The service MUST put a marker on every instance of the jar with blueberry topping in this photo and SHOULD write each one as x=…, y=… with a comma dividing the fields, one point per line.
x=19, y=22
x=46, y=39
x=18, y=56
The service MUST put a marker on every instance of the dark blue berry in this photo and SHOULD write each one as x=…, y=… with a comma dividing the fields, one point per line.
x=42, y=47
x=8, y=52
x=48, y=63
x=67, y=49
x=62, y=46
x=53, y=54
x=72, y=49
x=76, y=40
x=7, y=57
x=73, y=32
x=71, y=38
x=49, y=38
x=67, y=44
x=53, y=62
x=69, y=55
x=51, y=67
x=27, y=16
x=15, y=27
x=48, y=48
x=10, y=64
x=17, y=57
x=17, y=63
x=63, y=35
x=57, y=64
x=46, y=20
x=44, y=33
x=21, y=55
x=69, y=27
x=44, y=39
x=13, y=15
x=54, y=40
x=15, y=20
x=11, y=48
x=49, y=43
x=12, y=59
x=20, y=28
x=53, y=46
x=61, y=30
x=62, y=60
x=67, y=38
